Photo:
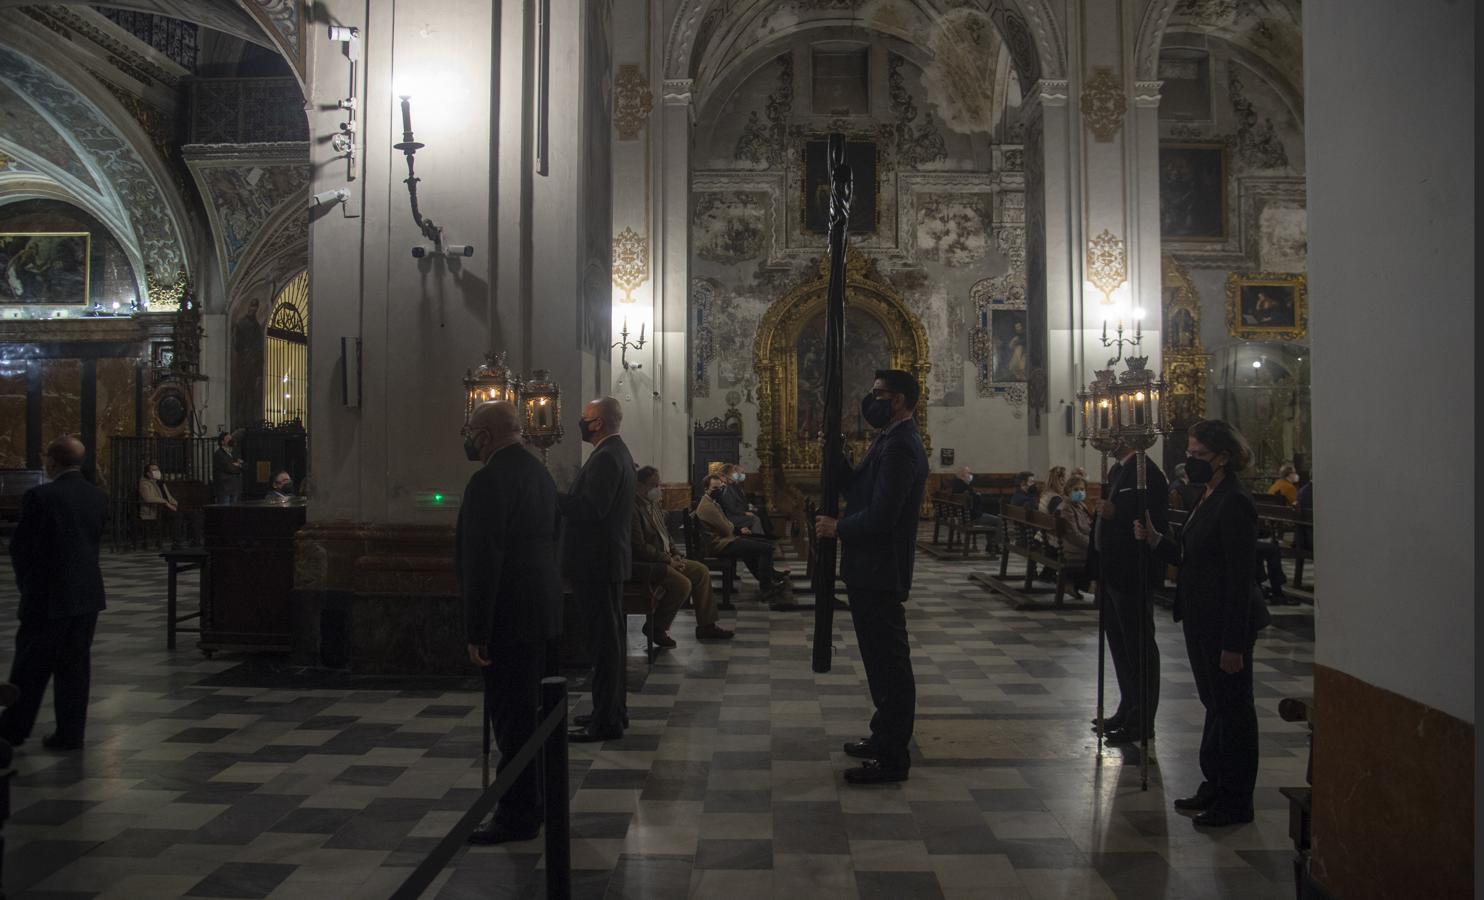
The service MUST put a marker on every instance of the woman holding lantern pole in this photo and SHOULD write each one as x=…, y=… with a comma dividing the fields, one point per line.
x=1221, y=609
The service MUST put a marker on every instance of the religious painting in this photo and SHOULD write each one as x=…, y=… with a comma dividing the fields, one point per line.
x=1009, y=346
x=1267, y=306
x=44, y=268
x=861, y=156
x=1192, y=192
x=1181, y=332
x=869, y=350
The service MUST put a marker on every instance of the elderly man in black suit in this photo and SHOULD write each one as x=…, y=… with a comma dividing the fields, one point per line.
x=597, y=557
x=55, y=553
x=505, y=556
x=1128, y=612
x=878, y=536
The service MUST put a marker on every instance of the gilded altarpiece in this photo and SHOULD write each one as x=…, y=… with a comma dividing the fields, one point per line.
x=1185, y=360
x=881, y=332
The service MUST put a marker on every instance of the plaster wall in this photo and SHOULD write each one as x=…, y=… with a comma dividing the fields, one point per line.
x=1403, y=619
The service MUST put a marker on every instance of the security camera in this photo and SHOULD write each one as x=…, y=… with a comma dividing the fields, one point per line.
x=419, y=251
x=459, y=250
x=329, y=198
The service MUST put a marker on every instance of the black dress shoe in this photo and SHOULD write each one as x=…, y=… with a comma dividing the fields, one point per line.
x=1222, y=817
x=583, y=736
x=873, y=772
x=1128, y=735
x=1203, y=798
x=863, y=749
x=660, y=639
x=61, y=744
x=489, y=833
x=583, y=720
x=1113, y=723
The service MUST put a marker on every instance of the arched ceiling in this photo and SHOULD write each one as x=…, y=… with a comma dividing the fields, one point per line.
x=708, y=38
x=120, y=183
x=226, y=16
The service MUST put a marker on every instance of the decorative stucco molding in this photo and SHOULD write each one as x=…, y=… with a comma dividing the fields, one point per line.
x=1103, y=104
x=632, y=101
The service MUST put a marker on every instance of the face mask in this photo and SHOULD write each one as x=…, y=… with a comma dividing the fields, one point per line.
x=738, y=477
x=1079, y=496
x=281, y=488
x=876, y=412
x=471, y=448
x=585, y=428
x=653, y=494
x=1293, y=478
x=1199, y=471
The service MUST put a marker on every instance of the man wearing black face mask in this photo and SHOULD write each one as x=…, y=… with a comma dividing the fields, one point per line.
x=878, y=534
x=597, y=555
x=1117, y=564
x=505, y=557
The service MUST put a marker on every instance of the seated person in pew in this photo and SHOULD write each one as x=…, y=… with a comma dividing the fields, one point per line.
x=1286, y=484
x=734, y=501
x=724, y=539
x=963, y=483
x=157, y=504
x=1078, y=532
x=1053, y=491
x=1025, y=490
x=657, y=561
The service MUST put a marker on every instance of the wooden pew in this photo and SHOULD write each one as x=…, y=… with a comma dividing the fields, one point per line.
x=695, y=549
x=1034, y=536
x=953, y=512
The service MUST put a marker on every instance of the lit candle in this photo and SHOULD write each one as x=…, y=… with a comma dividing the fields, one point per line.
x=641, y=332
x=407, y=118
x=625, y=332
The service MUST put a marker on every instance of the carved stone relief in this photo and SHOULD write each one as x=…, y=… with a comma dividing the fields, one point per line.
x=1103, y=104
x=632, y=102
x=1258, y=146
x=763, y=143
x=630, y=261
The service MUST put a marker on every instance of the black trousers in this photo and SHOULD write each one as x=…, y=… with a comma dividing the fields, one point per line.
x=1271, y=556
x=881, y=633
x=47, y=648
x=1229, y=741
x=512, y=697
x=1123, y=619
x=601, y=603
x=757, y=555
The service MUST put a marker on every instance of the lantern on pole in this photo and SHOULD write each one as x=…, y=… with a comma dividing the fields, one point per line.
x=541, y=411
x=492, y=380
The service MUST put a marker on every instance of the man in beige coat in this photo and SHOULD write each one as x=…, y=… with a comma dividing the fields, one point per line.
x=657, y=561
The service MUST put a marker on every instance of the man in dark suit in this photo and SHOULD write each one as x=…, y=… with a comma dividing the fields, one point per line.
x=505, y=556
x=878, y=536
x=55, y=553
x=1128, y=612
x=597, y=558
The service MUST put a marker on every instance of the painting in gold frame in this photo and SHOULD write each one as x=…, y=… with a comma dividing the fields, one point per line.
x=1192, y=192
x=814, y=202
x=1267, y=306
x=44, y=268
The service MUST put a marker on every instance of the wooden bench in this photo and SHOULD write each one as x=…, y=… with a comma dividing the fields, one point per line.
x=953, y=512
x=1036, y=537
x=726, y=567
x=641, y=599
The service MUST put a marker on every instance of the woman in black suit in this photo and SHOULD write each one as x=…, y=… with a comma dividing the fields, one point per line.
x=1222, y=611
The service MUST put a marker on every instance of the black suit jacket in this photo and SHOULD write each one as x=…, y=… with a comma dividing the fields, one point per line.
x=505, y=552
x=1216, y=592
x=878, y=533
x=957, y=485
x=733, y=502
x=55, y=549
x=598, y=512
x=1116, y=548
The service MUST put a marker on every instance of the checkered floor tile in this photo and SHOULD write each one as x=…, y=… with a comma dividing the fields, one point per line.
x=727, y=785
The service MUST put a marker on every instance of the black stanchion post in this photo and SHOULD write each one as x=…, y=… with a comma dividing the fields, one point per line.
x=1145, y=615
x=1104, y=495
x=485, y=766
x=558, y=804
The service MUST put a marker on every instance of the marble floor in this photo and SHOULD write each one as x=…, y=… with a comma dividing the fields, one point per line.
x=198, y=783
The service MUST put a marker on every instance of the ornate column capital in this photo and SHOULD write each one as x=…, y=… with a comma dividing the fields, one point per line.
x=677, y=91
x=1049, y=92
x=1147, y=94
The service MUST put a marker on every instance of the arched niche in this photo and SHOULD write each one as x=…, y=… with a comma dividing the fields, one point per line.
x=788, y=358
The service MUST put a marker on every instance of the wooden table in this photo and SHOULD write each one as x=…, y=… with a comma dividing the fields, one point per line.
x=184, y=560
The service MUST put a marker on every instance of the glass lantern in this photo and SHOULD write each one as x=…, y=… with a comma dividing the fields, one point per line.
x=541, y=410
x=1098, y=420
x=1139, y=413
x=491, y=381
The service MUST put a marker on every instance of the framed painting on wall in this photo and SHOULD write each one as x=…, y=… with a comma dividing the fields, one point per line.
x=815, y=203
x=1192, y=192
x=1009, y=347
x=1267, y=306
x=49, y=268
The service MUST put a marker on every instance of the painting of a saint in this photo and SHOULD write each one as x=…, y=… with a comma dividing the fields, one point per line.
x=1267, y=306
x=1180, y=330
x=44, y=268
x=861, y=155
x=867, y=349
x=1009, y=356
x=1192, y=192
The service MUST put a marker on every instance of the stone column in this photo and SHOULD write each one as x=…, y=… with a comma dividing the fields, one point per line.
x=386, y=474
x=672, y=309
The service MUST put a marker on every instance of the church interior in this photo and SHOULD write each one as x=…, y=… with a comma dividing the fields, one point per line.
x=322, y=235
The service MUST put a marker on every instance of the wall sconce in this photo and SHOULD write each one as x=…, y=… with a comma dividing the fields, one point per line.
x=624, y=345
x=491, y=380
x=541, y=407
x=432, y=232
